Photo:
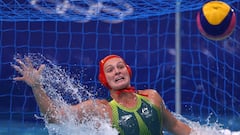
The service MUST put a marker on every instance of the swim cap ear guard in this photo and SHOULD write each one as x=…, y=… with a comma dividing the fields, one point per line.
x=102, y=77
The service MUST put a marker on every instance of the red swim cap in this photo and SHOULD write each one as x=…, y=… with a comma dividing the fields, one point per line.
x=102, y=77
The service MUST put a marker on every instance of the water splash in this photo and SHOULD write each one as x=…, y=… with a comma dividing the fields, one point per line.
x=209, y=128
x=58, y=83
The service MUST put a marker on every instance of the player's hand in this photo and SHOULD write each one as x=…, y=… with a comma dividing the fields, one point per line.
x=30, y=75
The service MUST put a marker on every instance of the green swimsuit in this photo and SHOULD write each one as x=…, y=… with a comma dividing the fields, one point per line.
x=144, y=119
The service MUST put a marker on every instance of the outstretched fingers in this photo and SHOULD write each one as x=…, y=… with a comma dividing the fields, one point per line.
x=30, y=75
x=41, y=68
x=28, y=62
x=18, y=79
x=18, y=69
x=22, y=65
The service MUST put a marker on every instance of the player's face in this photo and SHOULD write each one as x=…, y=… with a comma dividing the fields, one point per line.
x=117, y=74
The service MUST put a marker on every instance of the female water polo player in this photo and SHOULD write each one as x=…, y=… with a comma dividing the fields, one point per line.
x=131, y=111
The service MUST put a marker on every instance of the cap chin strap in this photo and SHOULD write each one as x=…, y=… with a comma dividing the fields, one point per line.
x=126, y=90
x=130, y=90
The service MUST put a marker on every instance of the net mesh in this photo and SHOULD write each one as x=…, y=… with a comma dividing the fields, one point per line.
x=112, y=11
x=145, y=38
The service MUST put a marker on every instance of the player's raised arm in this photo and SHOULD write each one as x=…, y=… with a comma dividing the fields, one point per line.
x=31, y=76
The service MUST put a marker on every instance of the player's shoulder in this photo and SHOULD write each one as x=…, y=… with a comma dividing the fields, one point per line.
x=148, y=91
x=153, y=96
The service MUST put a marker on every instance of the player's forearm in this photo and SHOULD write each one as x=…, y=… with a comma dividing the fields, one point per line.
x=45, y=104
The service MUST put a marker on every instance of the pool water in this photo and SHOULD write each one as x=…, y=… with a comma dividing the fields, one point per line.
x=31, y=128
x=19, y=128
